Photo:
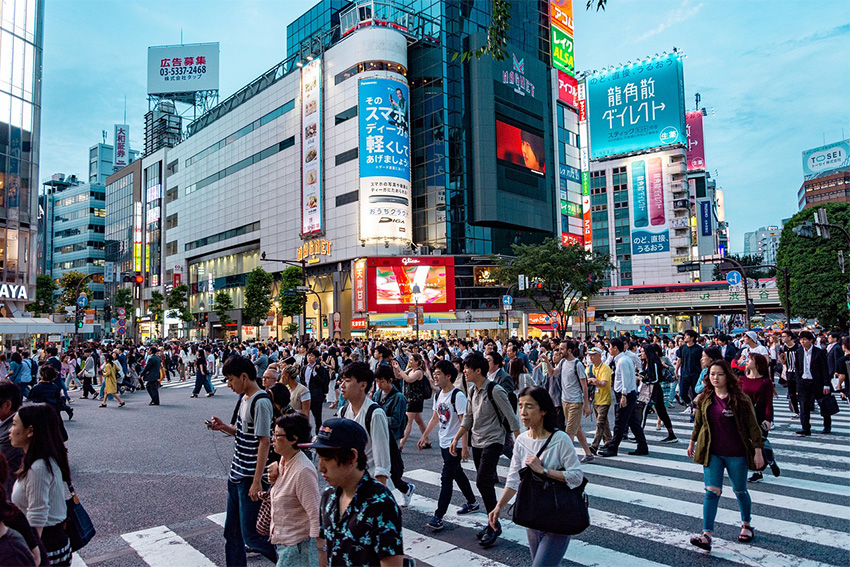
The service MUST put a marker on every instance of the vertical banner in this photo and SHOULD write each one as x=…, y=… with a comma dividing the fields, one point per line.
x=360, y=285
x=561, y=13
x=385, y=196
x=705, y=217
x=656, y=191
x=649, y=174
x=137, y=236
x=311, y=148
x=696, y=152
x=641, y=216
x=585, y=165
x=121, y=146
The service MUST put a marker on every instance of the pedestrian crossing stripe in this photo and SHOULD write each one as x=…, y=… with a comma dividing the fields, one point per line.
x=441, y=554
x=161, y=547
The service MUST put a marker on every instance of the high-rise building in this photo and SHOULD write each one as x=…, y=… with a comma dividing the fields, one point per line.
x=101, y=162
x=763, y=242
x=826, y=175
x=21, y=40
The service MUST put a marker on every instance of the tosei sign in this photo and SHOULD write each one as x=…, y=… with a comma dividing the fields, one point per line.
x=182, y=68
x=826, y=158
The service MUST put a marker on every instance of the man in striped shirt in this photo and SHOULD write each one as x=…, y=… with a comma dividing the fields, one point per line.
x=253, y=433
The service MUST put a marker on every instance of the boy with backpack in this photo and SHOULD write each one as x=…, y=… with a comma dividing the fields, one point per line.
x=449, y=408
x=488, y=416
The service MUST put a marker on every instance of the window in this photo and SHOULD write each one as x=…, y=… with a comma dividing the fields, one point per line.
x=346, y=156
x=232, y=233
x=369, y=66
x=240, y=165
x=345, y=115
x=346, y=198
x=171, y=221
x=171, y=248
x=171, y=195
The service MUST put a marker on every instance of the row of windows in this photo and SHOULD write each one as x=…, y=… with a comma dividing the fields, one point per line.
x=81, y=198
x=81, y=214
x=244, y=131
x=79, y=230
x=242, y=164
x=78, y=263
x=232, y=233
x=78, y=246
x=369, y=66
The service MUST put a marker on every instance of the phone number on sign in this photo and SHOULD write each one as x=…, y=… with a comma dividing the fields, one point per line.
x=197, y=69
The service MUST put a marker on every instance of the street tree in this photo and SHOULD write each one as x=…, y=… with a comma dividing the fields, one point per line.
x=155, y=309
x=752, y=272
x=124, y=298
x=68, y=283
x=559, y=276
x=291, y=305
x=45, y=302
x=223, y=304
x=258, y=296
x=818, y=287
x=178, y=305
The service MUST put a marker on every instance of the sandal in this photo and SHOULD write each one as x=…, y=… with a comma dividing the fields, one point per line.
x=121, y=405
x=702, y=542
x=102, y=406
x=743, y=538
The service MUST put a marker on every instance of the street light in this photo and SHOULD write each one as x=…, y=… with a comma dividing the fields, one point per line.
x=416, y=292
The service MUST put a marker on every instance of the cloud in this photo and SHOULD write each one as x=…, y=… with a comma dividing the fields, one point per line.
x=684, y=12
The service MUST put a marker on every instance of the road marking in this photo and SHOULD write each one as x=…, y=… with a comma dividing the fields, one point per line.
x=77, y=561
x=160, y=547
x=795, y=442
x=218, y=518
x=441, y=554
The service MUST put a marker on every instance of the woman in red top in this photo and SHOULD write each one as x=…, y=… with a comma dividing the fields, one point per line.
x=759, y=387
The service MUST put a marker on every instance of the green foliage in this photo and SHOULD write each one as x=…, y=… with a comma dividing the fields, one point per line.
x=746, y=260
x=155, y=309
x=291, y=304
x=291, y=329
x=818, y=288
x=600, y=4
x=124, y=298
x=566, y=274
x=178, y=304
x=44, y=300
x=68, y=282
x=223, y=304
x=258, y=296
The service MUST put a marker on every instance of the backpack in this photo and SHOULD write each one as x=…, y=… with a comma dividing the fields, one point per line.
x=396, y=462
x=259, y=395
x=502, y=419
x=455, y=392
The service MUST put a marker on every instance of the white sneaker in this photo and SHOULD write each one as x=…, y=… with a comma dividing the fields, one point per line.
x=405, y=498
x=687, y=410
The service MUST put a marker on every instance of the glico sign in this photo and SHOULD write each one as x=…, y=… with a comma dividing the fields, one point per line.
x=516, y=77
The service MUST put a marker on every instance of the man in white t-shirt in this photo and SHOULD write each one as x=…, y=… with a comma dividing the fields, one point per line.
x=448, y=413
x=751, y=344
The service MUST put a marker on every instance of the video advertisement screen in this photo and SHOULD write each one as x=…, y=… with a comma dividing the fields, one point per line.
x=520, y=147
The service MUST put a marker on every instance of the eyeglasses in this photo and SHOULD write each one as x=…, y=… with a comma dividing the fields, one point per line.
x=278, y=435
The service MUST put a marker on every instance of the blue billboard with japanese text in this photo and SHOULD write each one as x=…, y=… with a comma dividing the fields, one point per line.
x=636, y=107
x=384, y=124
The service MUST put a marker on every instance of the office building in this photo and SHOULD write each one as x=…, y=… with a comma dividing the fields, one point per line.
x=826, y=175
x=101, y=162
x=763, y=242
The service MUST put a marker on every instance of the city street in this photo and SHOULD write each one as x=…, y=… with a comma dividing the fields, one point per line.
x=154, y=481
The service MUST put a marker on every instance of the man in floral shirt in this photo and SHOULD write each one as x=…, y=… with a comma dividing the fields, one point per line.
x=360, y=520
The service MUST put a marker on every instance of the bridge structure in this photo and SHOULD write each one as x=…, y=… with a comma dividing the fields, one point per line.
x=714, y=302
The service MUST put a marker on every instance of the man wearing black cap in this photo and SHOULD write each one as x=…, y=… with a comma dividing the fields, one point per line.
x=360, y=520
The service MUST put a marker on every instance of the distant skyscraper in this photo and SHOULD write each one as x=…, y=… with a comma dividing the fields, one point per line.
x=21, y=30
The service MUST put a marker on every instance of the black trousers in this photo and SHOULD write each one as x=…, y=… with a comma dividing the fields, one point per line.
x=87, y=387
x=792, y=395
x=660, y=404
x=486, y=460
x=152, y=386
x=806, y=395
x=316, y=405
x=622, y=420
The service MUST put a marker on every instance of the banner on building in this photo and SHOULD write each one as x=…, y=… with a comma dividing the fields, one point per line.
x=385, y=196
x=182, y=68
x=706, y=227
x=311, y=148
x=826, y=158
x=360, y=286
x=696, y=151
x=121, y=146
x=649, y=220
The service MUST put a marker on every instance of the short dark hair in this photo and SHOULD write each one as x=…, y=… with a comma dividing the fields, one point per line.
x=447, y=368
x=10, y=391
x=476, y=361
x=790, y=333
x=382, y=350
x=296, y=426
x=544, y=400
x=384, y=372
x=618, y=343
x=280, y=395
x=360, y=371
x=807, y=335
x=497, y=358
x=47, y=373
x=572, y=346
x=691, y=333
x=237, y=365
x=344, y=456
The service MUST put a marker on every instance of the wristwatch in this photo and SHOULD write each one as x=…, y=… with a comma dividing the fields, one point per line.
x=545, y=471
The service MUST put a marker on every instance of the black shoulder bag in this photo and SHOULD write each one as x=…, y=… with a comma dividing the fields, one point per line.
x=550, y=505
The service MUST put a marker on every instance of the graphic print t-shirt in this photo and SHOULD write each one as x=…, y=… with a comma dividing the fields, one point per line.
x=449, y=420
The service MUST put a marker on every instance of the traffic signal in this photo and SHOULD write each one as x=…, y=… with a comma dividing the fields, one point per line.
x=107, y=312
x=848, y=296
x=138, y=279
x=804, y=230
x=79, y=317
x=501, y=319
x=325, y=322
x=751, y=309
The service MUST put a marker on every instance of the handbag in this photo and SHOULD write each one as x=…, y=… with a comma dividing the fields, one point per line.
x=645, y=393
x=828, y=405
x=78, y=524
x=549, y=505
x=264, y=516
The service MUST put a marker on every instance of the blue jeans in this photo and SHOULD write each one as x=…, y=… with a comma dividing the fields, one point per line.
x=240, y=526
x=713, y=476
x=546, y=548
x=302, y=554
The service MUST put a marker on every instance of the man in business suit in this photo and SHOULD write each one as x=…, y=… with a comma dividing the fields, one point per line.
x=833, y=353
x=315, y=376
x=150, y=376
x=813, y=383
x=727, y=348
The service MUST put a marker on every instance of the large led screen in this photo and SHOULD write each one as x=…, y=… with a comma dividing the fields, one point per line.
x=392, y=282
x=520, y=147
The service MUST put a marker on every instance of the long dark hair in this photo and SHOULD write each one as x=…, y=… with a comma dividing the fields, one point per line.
x=760, y=361
x=46, y=441
x=736, y=397
x=547, y=406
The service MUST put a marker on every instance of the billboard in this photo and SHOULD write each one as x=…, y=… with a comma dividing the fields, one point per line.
x=520, y=147
x=182, y=68
x=385, y=197
x=696, y=150
x=636, y=107
x=311, y=148
x=392, y=280
x=561, y=14
x=705, y=223
x=819, y=160
x=121, y=147
x=649, y=223
x=563, y=56
x=568, y=89
x=360, y=285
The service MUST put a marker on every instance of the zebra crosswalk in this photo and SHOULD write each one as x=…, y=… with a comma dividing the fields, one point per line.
x=643, y=511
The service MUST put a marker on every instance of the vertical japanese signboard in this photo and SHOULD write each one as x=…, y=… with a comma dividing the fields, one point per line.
x=585, y=165
x=360, y=285
x=561, y=26
x=311, y=148
x=650, y=225
x=384, y=122
x=637, y=107
x=137, y=236
x=696, y=151
x=568, y=89
x=121, y=147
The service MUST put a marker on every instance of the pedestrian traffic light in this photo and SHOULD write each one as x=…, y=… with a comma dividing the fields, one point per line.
x=501, y=319
x=107, y=312
x=751, y=309
x=324, y=322
x=848, y=296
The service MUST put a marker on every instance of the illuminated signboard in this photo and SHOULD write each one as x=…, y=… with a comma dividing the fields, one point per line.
x=360, y=285
x=650, y=225
x=11, y=291
x=696, y=151
x=311, y=147
x=312, y=249
x=563, y=57
x=392, y=280
x=568, y=89
x=636, y=107
x=183, y=68
x=516, y=77
x=826, y=158
x=520, y=147
x=568, y=239
x=137, y=236
x=561, y=14
x=121, y=146
x=486, y=275
x=359, y=324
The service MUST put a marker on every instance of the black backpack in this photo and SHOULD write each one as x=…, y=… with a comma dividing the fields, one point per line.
x=502, y=419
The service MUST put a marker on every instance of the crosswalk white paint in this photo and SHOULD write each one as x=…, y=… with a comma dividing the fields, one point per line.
x=441, y=554
x=77, y=561
x=161, y=547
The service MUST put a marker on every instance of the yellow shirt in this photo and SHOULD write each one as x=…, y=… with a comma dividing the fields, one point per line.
x=603, y=393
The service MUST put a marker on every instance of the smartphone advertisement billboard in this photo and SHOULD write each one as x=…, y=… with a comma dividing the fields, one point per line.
x=636, y=107
x=392, y=282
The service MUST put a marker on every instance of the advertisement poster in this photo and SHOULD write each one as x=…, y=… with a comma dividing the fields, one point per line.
x=121, y=146
x=705, y=217
x=311, y=147
x=568, y=89
x=183, y=68
x=636, y=107
x=826, y=158
x=563, y=57
x=650, y=226
x=360, y=286
x=385, y=198
x=392, y=281
x=520, y=147
x=696, y=152
x=561, y=13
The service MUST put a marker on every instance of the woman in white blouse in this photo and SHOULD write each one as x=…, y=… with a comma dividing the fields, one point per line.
x=559, y=462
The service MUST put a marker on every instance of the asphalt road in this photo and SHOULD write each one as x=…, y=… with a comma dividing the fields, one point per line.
x=140, y=467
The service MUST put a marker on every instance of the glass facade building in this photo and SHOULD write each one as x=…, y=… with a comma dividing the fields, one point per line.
x=21, y=30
